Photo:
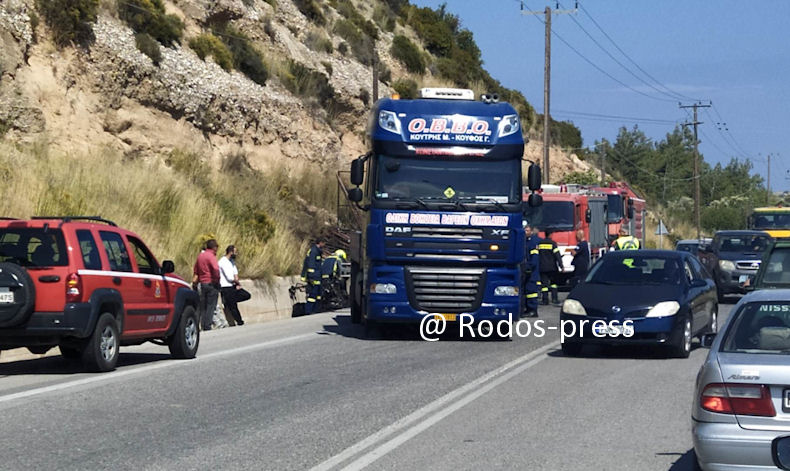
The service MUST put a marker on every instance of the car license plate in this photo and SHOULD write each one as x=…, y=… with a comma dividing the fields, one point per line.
x=615, y=330
x=6, y=296
x=743, y=279
x=446, y=317
x=786, y=402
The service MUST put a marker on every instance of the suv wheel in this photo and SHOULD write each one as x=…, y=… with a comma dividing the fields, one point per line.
x=17, y=280
x=101, y=351
x=184, y=342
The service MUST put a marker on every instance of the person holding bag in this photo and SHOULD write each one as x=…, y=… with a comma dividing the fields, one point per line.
x=229, y=284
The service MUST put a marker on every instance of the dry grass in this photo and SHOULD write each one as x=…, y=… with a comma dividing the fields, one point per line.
x=174, y=209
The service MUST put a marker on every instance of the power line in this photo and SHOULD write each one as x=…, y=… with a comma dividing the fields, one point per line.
x=716, y=110
x=617, y=117
x=598, y=68
x=671, y=92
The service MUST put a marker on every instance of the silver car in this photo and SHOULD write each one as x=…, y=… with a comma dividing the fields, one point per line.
x=742, y=399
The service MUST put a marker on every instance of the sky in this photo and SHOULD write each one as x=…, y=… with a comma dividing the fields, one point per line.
x=653, y=55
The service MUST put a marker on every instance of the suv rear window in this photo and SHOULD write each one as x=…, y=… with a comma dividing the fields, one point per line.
x=33, y=247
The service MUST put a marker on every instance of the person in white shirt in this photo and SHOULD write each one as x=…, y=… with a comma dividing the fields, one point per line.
x=229, y=283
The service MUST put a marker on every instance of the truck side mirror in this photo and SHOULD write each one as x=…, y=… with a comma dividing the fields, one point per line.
x=355, y=195
x=630, y=209
x=533, y=178
x=357, y=172
x=588, y=215
x=534, y=200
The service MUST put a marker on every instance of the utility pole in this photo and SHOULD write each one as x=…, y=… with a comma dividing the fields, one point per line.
x=547, y=80
x=696, y=161
x=603, y=168
x=375, y=88
x=769, y=175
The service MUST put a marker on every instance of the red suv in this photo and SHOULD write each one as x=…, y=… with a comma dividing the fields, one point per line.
x=87, y=286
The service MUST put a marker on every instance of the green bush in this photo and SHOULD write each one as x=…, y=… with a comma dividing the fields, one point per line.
x=406, y=88
x=246, y=58
x=384, y=17
x=348, y=11
x=361, y=44
x=342, y=48
x=71, y=21
x=311, y=10
x=209, y=45
x=589, y=177
x=328, y=67
x=148, y=16
x=385, y=74
x=364, y=96
x=435, y=28
x=407, y=52
x=305, y=82
x=148, y=46
x=318, y=42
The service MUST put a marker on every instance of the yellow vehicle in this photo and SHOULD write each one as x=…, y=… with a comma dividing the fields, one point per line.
x=774, y=220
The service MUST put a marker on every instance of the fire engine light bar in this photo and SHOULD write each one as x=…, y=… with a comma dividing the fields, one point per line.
x=447, y=93
x=454, y=151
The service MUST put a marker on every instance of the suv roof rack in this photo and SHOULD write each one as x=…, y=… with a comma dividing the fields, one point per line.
x=79, y=218
x=7, y=218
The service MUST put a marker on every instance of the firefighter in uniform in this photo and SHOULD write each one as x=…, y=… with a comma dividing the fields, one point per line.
x=333, y=285
x=311, y=274
x=625, y=241
x=550, y=267
x=531, y=271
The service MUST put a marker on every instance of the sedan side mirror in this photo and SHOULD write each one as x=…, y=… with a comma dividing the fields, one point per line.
x=698, y=283
x=168, y=267
x=706, y=340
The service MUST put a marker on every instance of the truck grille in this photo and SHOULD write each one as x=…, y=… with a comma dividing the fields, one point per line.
x=748, y=265
x=445, y=290
x=448, y=232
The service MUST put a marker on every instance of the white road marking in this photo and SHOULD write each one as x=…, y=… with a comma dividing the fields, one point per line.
x=164, y=364
x=421, y=419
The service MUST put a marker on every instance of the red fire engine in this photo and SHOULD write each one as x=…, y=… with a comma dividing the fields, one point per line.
x=566, y=209
x=625, y=209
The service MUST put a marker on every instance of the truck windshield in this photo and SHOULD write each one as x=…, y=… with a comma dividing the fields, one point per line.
x=744, y=243
x=769, y=221
x=615, y=211
x=555, y=215
x=448, y=179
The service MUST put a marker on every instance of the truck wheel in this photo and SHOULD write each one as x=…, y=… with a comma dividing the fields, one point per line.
x=681, y=344
x=356, y=294
x=184, y=342
x=71, y=353
x=101, y=350
x=21, y=284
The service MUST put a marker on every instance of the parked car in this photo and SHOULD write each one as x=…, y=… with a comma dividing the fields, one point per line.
x=88, y=287
x=668, y=296
x=733, y=257
x=742, y=399
x=692, y=246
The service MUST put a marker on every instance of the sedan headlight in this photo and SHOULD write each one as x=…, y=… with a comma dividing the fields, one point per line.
x=571, y=306
x=667, y=308
x=726, y=265
x=383, y=288
x=506, y=291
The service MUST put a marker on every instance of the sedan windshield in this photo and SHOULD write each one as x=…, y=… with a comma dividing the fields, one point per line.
x=636, y=270
x=759, y=327
x=448, y=179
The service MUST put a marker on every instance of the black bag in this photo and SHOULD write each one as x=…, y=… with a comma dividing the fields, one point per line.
x=242, y=295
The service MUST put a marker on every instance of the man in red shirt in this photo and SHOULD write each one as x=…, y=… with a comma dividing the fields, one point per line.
x=207, y=274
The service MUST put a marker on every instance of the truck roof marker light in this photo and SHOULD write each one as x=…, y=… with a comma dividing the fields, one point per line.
x=447, y=93
x=395, y=96
x=509, y=125
x=388, y=121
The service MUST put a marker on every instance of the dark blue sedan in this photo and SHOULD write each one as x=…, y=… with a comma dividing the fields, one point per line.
x=647, y=297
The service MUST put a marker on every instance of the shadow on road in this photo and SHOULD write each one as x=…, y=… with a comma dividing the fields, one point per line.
x=57, y=365
x=621, y=352
x=397, y=332
x=686, y=462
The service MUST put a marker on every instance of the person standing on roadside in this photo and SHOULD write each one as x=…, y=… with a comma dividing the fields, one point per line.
x=550, y=267
x=229, y=283
x=531, y=272
x=626, y=241
x=207, y=272
x=581, y=259
x=311, y=274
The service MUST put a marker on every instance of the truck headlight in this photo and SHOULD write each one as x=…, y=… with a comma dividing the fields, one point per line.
x=726, y=265
x=383, y=288
x=506, y=291
x=571, y=306
x=509, y=125
x=667, y=308
x=389, y=121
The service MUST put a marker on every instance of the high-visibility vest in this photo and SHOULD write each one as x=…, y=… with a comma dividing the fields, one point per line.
x=626, y=243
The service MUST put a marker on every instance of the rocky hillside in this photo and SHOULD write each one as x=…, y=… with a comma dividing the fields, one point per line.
x=264, y=85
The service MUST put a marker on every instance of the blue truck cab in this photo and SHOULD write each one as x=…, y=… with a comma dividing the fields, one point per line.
x=441, y=187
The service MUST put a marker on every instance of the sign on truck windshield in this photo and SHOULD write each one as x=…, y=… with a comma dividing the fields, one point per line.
x=448, y=180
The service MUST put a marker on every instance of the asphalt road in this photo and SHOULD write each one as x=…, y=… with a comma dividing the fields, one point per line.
x=315, y=393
